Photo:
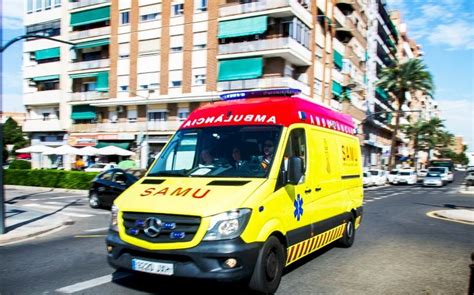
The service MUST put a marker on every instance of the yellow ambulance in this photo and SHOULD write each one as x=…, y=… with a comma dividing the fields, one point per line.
x=246, y=186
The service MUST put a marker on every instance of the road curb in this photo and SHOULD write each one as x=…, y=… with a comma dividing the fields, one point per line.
x=52, y=189
x=456, y=215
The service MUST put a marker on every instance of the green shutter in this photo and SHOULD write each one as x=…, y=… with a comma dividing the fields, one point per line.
x=122, y=145
x=240, y=69
x=90, y=16
x=83, y=112
x=84, y=75
x=382, y=93
x=90, y=44
x=337, y=59
x=45, y=78
x=243, y=27
x=336, y=88
x=103, y=82
x=47, y=53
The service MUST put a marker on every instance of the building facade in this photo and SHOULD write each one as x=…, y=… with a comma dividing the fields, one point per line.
x=137, y=68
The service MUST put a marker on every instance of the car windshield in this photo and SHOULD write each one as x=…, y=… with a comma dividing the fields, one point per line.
x=375, y=173
x=432, y=175
x=393, y=172
x=439, y=170
x=233, y=151
x=404, y=173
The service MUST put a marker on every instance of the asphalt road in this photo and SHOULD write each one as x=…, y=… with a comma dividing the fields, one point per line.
x=398, y=250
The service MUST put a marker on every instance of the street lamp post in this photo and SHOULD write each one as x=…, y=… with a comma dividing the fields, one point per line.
x=2, y=191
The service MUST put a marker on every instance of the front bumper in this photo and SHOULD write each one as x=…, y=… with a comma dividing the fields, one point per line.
x=205, y=261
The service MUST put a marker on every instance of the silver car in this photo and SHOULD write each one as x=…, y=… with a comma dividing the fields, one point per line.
x=433, y=179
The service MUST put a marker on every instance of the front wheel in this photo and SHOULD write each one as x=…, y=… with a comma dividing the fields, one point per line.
x=269, y=267
x=94, y=200
x=349, y=234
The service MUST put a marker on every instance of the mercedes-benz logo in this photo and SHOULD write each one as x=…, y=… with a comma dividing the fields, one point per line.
x=152, y=227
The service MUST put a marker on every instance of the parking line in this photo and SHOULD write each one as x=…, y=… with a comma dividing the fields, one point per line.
x=91, y=283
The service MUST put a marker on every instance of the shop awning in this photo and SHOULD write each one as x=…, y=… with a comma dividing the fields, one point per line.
x=45, y=78
x=102, y=82
x=47, y=53
x=120, y=144
x=336, y=88
x=338, y=59
x=90, y=16
x=240, y=69
x=83, y=112
x=90, y=44
x=243, y=27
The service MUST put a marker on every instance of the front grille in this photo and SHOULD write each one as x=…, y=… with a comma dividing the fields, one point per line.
x=188, y=225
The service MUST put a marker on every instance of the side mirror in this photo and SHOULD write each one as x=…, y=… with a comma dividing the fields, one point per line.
x=295, y=170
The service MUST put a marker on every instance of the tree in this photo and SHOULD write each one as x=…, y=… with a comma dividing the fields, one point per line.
x=12, y=134
x=400, y=79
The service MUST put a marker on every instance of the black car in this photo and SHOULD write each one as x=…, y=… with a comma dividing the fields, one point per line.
x=108, y=185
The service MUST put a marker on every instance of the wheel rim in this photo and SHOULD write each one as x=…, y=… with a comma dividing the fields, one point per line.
x=93, y=201
x=271, y=265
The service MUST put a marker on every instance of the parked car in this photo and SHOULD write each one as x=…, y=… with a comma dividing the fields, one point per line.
x=422, y=173
x=433, y=179
x=391, y=175
x=446, y=175
x=470, y=169
x=406, y=176
x=379, y=177
x=108, y=185
x=368, y=181
x=470, y=178
x=99, y=167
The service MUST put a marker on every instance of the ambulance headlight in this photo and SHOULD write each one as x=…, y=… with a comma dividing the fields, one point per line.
x=227, y=225
x=114, y=219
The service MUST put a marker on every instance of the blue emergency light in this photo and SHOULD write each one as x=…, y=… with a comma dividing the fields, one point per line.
x=260, y=93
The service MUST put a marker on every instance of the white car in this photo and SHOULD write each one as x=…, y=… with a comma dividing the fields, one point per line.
x=433, y=179
x=391, y=175
x=378, y=176
x=405, y=177
x=99, y=167
x=446, y=175
x=368, y=181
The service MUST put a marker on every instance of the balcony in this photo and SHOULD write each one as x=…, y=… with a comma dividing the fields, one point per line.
x=270, y=82
x=267, y=7
x=127, y=126
x=346, y=6
x=84, y=3
x=76, y=35
x=89, y=95
x=39, y=70
x=40, y=125
x=287, y=48
x=88, y=65
x=42, y=97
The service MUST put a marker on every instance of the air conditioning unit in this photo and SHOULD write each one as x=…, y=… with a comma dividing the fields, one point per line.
x=120, y=109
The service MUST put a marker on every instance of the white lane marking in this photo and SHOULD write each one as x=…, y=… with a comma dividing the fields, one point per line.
x=96, y=229
x=91, y=283
x=369, y=200
x=378, y=198
x=75, y=214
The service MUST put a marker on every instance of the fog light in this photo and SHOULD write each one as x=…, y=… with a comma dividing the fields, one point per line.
x=230, y=263
x=109, y=249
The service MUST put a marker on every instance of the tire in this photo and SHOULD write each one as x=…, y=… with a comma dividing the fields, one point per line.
x=94, y=201
x=349, y=234
x=268, y=270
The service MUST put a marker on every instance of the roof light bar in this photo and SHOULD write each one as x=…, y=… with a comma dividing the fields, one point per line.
x=260, y=93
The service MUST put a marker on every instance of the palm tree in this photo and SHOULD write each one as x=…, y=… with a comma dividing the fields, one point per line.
x=400, y=79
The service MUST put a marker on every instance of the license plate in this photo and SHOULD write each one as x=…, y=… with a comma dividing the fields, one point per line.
x=153, y=267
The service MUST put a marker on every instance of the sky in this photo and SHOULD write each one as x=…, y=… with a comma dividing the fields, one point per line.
x=444, y=28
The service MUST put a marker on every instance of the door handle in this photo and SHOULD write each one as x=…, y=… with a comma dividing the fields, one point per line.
x=318, y=189
x=307, y=191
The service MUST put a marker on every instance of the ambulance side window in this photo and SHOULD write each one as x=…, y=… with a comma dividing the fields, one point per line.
x=295, y=147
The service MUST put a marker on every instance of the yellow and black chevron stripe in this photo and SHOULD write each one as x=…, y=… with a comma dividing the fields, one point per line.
x=308, y=246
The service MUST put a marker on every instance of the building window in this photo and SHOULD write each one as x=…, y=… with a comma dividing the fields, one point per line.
x=176, y=83
x=176, y=49
x=124, y=88
x=199, y=79
x=47, y=4
x=201, y=5
x=125, y=17
x=157, y=116
x=149, y=17
x=39, y=5
x=29, y=6
x=46, y=116
x=178, y=9
x=57, y=3
x=199, y=46
x=183, y=114
x=49, y=29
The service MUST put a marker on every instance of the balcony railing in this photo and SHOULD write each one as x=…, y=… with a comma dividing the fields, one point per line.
x=89, y=33
x=127, y=126
x=270, y=82
x=266, y=44
x=263, y=5
x=89, y=95
x=42, y=97
x=92, y=64
x=39, y=125
x=84, y=3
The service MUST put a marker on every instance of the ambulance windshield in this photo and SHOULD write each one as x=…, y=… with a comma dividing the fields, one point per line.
x=233, y=151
